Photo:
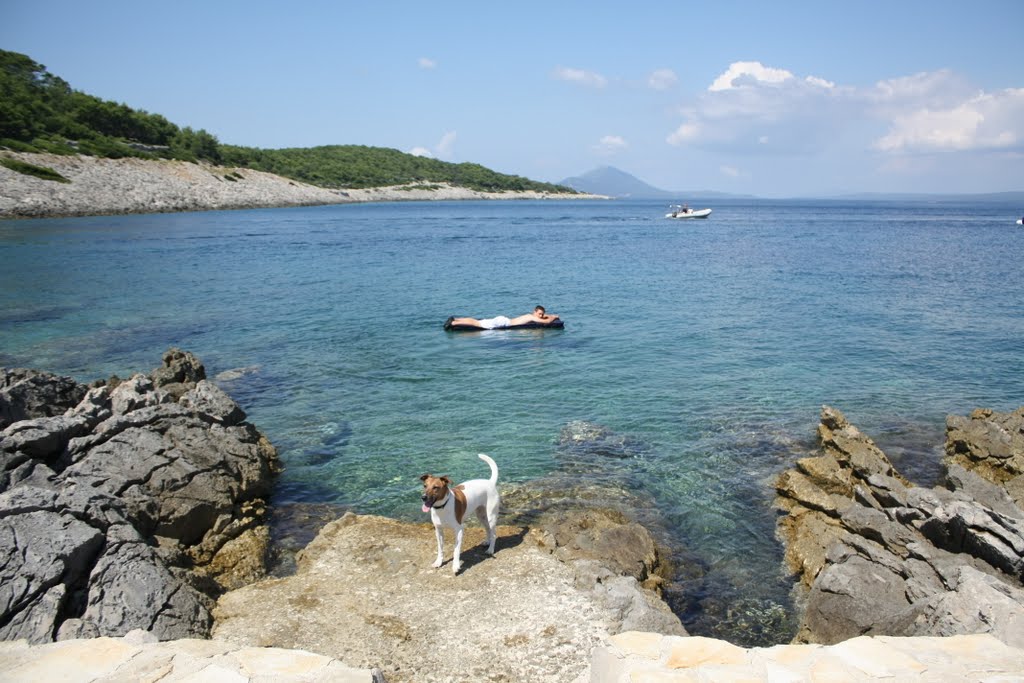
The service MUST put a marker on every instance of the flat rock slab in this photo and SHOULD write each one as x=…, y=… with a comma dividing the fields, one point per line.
x=136, y=657
x=634, y=656
x=365, y=593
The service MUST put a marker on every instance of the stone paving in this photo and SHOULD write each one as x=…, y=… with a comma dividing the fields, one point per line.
x=636, y=657
x=631, y=657
x=137, y=658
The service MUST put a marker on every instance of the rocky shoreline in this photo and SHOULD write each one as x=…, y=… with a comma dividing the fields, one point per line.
x=139, y=507
x=876, y=555
x=128, y=186
x=140, y=504
x=126, y=504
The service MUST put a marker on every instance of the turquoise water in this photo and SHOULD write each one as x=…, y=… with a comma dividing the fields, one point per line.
x=709, y=345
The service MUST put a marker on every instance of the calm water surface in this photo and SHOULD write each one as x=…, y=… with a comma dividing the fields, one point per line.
x=709, y=346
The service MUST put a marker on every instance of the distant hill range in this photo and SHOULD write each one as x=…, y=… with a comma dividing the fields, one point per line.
x=612, y=182
x=1005, y=197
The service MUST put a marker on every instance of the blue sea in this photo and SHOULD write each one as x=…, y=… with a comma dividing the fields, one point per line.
x=708, y=346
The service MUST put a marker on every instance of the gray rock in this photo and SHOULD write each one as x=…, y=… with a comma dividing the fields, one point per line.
x=979, y=604
x=130, y=587
x=849, y=599
x=44, y=554
x=42, y=438
x=908, y=560
x=209, y=399
x=978, y=531
x=137, y=392
x=180, y=372
x=976, y=487
x=27, y=394
x=632, y=608
x=125, y=510
x=991, y=445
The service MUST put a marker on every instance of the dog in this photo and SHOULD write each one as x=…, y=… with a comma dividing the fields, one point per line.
x=448, y=505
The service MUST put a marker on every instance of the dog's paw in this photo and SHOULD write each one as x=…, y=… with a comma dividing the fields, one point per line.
x=437, y=563
x=456, y=566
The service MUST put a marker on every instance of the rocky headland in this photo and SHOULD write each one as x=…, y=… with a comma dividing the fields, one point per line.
x=99, y=186
x=134, y=513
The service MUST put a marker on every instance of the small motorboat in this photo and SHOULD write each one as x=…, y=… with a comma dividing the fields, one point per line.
x=1020, y=221
x=684, y=211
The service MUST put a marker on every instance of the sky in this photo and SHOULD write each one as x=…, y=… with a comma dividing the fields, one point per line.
x=775, y=99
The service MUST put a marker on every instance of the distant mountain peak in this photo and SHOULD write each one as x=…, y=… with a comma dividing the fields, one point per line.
x=614, y=182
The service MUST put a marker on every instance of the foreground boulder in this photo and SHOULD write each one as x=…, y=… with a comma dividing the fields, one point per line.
x=880, y=556
x=131, y=508
x=365, y=593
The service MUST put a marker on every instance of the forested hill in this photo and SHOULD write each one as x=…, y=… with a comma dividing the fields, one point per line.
x=40, y=112
x=356, y=166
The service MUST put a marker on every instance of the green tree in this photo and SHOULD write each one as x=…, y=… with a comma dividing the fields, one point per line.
x=195, y=144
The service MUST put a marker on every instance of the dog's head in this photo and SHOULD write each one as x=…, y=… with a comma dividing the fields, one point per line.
x=434, y=489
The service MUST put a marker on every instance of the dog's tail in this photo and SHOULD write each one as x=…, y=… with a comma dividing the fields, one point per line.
x=494, y=467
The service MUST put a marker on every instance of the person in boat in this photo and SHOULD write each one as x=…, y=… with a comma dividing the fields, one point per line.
x=539, y=315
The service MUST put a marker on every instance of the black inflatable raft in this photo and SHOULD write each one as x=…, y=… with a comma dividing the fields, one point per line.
x=555, y=324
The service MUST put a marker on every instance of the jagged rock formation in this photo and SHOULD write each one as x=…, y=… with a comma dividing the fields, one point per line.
x=879, y=556
x=992, y=445
x=128, y=505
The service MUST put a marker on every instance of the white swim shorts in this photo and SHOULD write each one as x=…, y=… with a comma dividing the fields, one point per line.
x=495, y=323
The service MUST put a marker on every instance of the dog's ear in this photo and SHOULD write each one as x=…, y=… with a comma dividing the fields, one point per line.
x=446, y=480
x=425, y=477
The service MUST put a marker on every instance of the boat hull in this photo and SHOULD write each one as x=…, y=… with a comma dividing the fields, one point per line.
x=693, y=213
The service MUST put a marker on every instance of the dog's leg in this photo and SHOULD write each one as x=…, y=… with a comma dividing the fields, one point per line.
x=493, y=508
x=491, y=525
x=456, y=561
x=440, y=547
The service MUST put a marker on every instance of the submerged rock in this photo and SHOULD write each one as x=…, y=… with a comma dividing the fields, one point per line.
x=880, y=556
x=130, y=509
x=585, y=441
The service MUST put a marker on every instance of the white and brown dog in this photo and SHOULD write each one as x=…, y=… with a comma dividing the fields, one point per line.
x=449, y=504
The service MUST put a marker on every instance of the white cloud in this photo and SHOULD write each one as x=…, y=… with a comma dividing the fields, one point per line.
x=580, y=77
x=446, y=145
x=442, y=150
x=743, y=74
x=662, y=79
x=610, y=144
x=982, y=122
x=427, y=63
x=759, y=109
x=925, y=124
x=684, y=133
x=730, y=171
x=934, y=87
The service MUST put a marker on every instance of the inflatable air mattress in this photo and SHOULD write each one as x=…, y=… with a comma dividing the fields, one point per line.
x=555, y=324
